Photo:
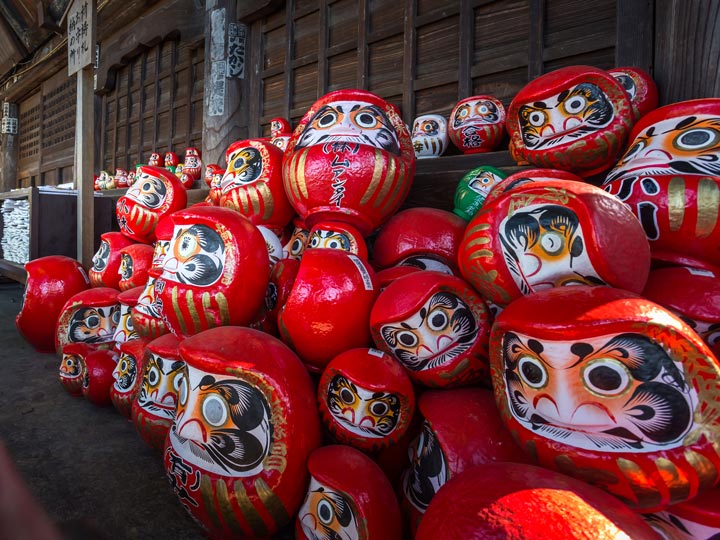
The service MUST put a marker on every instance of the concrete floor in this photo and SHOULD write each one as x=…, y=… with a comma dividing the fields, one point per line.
x=85, y=465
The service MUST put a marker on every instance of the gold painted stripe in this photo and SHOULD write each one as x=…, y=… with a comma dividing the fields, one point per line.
x=708, y=201
x=266, y=197
x=675, y=480
x=227, y=510
x=645, y=490
x=676, y=202
x=293, y=180
x=209, y=321
x=224, y=311
x=206, y=490
x=301, y=174
x=272, y=503
x=706, y=472
x=189, y=300
x=392, y=186
x=253, y=198
x=248, y=510
x=377, y=177
x=178, y=312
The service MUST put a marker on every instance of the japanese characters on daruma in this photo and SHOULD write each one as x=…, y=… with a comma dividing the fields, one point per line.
x=413, y=296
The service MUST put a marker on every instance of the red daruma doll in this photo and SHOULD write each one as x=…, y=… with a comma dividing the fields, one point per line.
x=350, y=159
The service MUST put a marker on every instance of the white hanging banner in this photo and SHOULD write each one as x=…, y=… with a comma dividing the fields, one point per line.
x=81, y=35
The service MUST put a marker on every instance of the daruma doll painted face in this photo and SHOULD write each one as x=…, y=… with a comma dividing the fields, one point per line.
x=612, y=389
x=350, y=159
x=215, y=273
x=429, y=136
x=156, y=193
x=670, y=178
x=89, y=316
x=128, y=374
x=51, y=281
x=576, y=118
x=253, y=185
x=553, y=233
x=477, y=124
x=135, y=261
x=641, y=88
x=105, y=270
x=245, y=425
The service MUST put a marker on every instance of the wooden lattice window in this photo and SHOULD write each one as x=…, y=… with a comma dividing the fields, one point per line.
x=155, y=105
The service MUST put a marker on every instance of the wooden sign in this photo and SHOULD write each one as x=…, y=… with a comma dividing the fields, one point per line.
x=81, y=35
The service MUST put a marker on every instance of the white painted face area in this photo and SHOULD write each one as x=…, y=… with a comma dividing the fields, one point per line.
x=327, y=513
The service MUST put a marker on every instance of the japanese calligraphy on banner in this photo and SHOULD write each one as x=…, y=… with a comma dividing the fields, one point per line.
x=81, y=35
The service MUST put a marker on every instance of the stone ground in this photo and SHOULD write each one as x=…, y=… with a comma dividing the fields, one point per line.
x=84, y=465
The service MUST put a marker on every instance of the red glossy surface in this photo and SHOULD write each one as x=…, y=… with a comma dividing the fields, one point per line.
x=97, y=376
x=127, y=375
x=72, y=365
x=416, y=232
x=436, y=325
x=253, y=184
x=659, y=468
x=90, y=300
x=156, y=193
x=505, y=501
x=526, y=176
x=51, y=281
x=140, y=259
x=232, y=251
x=329, y=306
x=703, y=509
x=640, y=86
x=366, y=399
x=274, y=493
x=345, y=178
x=104, y=271
x=362, y=484
x=602, y=241
x=585, y=155
x=477, y=124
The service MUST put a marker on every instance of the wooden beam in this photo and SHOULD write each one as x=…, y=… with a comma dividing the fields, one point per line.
x=634, y=33
x=84, y=150
x=536, y=39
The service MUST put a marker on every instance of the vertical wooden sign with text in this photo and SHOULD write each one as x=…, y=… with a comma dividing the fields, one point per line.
x=82, y=19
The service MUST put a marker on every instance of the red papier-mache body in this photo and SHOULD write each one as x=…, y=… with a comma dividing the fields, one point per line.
x=477, y=124
x=156, y=193
x=125, y=330
x=421, y=237
x=72, y=365
x=246, y=424
x=328, y=309
x=253, y=184
x=89, y=316
x=696, y=519
x=216, y=271
x=146, y=315
x=520, y=501
x=436, y=326
x=350, y=159
x=155, y=401
x=610, y=388
x=461, y=428
x=128, y=375
x=135, y=261
x=576, y=118
x=51, y=281
x=640, y=86
x=98, y=376
x=105, y=269
x=694, y=295
x=366, y=399
x=670, y=178
x=349, y=497
x=553, y=233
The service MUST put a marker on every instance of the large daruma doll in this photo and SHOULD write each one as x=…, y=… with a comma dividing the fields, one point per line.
x=215, y=273
x=576, y=118
x=350, y=159
x=612, y=389
x=245, y=424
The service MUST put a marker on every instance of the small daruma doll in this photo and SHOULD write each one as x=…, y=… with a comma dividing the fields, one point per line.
x=612, y=389
x=135, y=261
x=105, y=270
x=246, y=423
x=51, y=281
x=553, y=233
x=156, y=193
x=253, y=185
x=429, y=136
x=436, y=325
x=128, y=374
x=90, y=317
x=576, y=118
x=350, y=159
x=72, y=365
x=349, y=497
x=215, y=273
x=477, y=124
x=366, y=399
x=670, y=179
x=641, y=88
x=473, y=189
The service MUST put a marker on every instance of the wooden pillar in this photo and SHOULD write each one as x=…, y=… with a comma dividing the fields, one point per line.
x=84, y=160
x=226, y=66
x=8, y=147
